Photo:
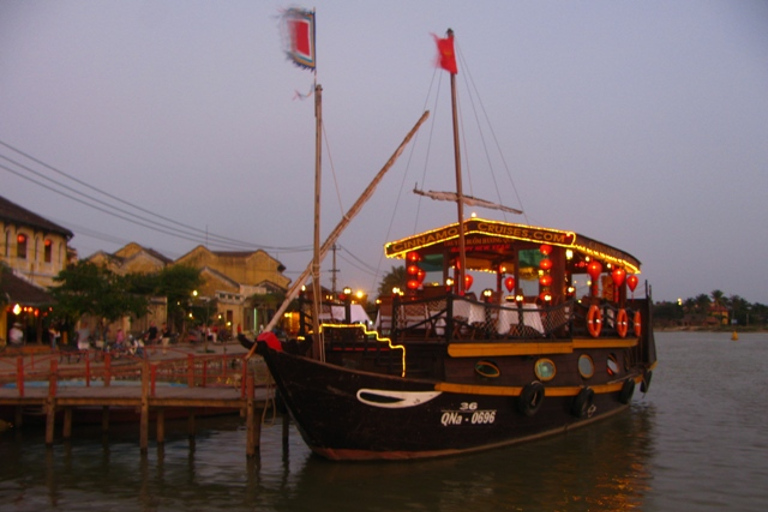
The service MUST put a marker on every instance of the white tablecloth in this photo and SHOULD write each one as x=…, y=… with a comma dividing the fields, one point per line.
x=474, y=313
x=510, y=317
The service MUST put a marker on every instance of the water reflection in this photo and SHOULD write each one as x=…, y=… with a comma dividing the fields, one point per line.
x=599, y=468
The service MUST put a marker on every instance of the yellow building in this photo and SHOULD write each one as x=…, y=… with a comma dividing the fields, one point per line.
x=33, y=250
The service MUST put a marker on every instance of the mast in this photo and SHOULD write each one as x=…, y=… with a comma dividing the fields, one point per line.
x=343, y=223
x=317, y=345
x=462, y=263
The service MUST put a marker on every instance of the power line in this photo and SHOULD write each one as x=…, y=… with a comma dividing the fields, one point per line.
x=195, y=235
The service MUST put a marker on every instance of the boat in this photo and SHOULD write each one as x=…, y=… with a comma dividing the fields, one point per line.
x=442, y=372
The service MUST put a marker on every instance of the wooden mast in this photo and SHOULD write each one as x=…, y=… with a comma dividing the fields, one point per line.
x=343, y=223
x=462, y=263
x=317, y=336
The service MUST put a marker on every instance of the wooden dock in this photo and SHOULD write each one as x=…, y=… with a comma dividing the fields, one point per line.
x=186, y=385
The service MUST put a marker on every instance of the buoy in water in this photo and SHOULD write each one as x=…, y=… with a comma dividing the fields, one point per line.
x=735, y=336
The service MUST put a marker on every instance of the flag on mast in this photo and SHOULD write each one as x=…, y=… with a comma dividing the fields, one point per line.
x=446, y=57
x=299, y=27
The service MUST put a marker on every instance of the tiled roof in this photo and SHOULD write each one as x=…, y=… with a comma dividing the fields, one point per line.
x=21, y=291
x=11, y=212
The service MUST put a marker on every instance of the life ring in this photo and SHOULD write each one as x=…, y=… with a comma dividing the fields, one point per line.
x=594, y=321
x=638, y=323
x=582, y=404
x=646, y=384
x=622, y=323
x=531, y=398
x=627, y=390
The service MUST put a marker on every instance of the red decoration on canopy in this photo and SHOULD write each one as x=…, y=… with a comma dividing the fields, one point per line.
x=618, y=276
x=413, y=270
x=468, y=282
x=509, y=282
x=545, y=249
x=594, y=269
x=545, y=264
x=545, y=280
x=413, y=257
x=420, y=275
x=413, y=284
x=632, y=282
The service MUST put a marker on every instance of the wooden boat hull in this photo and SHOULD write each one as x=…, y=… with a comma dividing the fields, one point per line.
x=346, y=414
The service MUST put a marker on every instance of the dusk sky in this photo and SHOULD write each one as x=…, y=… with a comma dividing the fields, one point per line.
x=641, y=124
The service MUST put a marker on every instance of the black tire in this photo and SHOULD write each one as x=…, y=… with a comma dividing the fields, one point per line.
x=531, y=398
x=583, y=403
x=627, y=390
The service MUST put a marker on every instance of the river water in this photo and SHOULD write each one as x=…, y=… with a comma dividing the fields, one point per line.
x=697, y=441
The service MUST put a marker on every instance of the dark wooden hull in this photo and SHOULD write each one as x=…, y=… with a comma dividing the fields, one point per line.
x=348, y=414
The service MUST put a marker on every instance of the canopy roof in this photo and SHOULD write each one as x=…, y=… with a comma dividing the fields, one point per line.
x=488, y=241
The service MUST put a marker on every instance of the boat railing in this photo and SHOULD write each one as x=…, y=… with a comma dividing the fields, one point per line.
x=455, y=317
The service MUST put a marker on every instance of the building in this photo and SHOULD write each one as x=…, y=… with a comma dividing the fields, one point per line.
x=242, y=284
x=32, y=246
x=238, y=291
x=33, y=250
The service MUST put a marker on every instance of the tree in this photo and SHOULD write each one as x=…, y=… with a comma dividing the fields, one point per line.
x=396, y=278
x=176, y=284
x=86, y=288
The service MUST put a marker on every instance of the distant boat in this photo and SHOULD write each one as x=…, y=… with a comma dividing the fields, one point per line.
x=443, y=373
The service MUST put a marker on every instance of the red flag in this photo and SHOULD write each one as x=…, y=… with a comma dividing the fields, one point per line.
x=300, y=37
x=446, y=57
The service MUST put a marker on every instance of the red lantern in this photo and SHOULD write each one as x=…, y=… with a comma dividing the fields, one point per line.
x=632, y=282
x=413, y=257
x=545, y=264
x=413, y=270
x=594, y=269
x=545, y=280
x=618, y=276
x=412, y=284
x=545, y=249
x=420, y=275
x=468, y=282
x=509, y=283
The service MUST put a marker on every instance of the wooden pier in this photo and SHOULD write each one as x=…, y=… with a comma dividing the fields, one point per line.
x=182, y=384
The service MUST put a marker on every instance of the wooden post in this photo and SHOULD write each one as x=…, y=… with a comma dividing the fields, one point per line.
x=190, y=370
x=153, y=379
x=205, y=372
x=50, y=418
x=67, y=423
x=161, y=425
x=20, y=375
x=191, y=424
x=107, y=369
x=250, y=447
x=53, y=378
x=144, y=421
x=286, y=423
x=19, y=417
x=105, y=418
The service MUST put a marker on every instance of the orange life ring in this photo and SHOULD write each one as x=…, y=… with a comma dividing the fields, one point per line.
x=622, y=323
x=594, y=321
x=638, y=323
